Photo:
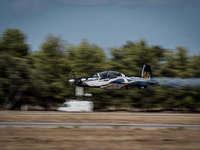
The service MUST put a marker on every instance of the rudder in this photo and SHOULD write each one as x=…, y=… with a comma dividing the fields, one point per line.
x=146, y=72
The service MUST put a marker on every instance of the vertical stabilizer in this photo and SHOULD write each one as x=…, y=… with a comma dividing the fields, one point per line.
x=146, y=72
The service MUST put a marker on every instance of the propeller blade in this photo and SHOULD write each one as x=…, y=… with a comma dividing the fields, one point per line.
x=72, y=74
x=72, y=77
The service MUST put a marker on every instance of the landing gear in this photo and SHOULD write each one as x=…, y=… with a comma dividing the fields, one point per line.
x=80, y=93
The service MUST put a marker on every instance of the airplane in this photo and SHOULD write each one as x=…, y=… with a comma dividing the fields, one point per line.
x=115, y=80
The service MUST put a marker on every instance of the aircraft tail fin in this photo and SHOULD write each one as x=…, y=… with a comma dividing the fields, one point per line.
x=146, y=72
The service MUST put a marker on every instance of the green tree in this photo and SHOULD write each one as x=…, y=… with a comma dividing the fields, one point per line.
x=86, y=59
x=15, y=70
x=132, y=56
x=194, y=66
x=53, y=70
x=177, y=64
x=13, y=42
x=16, y=79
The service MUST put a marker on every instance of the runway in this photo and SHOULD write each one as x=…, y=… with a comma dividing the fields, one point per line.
x=54, y=119
x=96, y=125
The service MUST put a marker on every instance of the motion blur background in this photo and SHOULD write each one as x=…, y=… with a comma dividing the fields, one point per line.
x=42, y=41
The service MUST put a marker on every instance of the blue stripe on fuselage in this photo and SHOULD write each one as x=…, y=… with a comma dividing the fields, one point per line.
x=118, y=81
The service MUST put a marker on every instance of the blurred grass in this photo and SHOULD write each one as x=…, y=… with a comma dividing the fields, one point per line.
x=101, y=138
x=124, y=119
x=60, y=127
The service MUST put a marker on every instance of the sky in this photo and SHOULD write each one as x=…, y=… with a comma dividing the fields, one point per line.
x=107, y=23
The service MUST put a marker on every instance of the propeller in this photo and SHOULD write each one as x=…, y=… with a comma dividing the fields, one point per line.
x=72, y=76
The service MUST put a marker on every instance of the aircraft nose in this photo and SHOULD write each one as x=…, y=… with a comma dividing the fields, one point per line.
x=71, y=80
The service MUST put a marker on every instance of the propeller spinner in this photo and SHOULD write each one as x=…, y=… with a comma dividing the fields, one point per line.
x=72, y=76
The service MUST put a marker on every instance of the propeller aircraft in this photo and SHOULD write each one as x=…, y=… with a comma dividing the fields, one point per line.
x=115, y=80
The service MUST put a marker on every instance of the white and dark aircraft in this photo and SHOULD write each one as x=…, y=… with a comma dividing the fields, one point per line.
x=115, y=80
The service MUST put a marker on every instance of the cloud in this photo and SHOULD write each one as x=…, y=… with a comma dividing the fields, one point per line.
x=36, y=5
x=121, y=2
x=84, y=2
x=26, y=5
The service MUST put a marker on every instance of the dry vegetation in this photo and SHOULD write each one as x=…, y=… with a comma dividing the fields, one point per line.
x=91, y=118
x=106, y=139
x=114, y=138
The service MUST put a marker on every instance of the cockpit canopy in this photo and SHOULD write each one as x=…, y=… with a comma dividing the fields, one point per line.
x=108, y=74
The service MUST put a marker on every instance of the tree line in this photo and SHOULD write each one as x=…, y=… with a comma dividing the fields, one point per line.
x=41, y=77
